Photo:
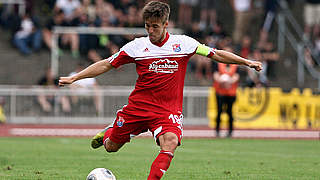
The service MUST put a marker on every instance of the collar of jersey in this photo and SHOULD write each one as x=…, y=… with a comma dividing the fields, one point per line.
x=162, y=42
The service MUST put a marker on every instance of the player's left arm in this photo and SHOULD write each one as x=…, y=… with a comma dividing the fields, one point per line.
x=227, y=57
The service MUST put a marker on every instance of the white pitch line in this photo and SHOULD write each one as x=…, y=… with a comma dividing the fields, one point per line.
x=186, y=133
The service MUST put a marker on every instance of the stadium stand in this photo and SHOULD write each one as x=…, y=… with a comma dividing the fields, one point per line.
x=16, y=69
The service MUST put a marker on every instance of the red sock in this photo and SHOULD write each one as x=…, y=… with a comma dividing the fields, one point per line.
x=160, y=165
x=107, y=134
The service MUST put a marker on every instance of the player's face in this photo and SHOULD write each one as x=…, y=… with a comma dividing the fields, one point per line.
x=156, y=29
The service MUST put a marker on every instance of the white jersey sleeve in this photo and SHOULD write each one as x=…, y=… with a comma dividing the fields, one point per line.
x=191, y=43
x=129, y=48
x=195, y=47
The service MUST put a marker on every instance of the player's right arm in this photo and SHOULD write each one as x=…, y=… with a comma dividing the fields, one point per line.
x=91, y=71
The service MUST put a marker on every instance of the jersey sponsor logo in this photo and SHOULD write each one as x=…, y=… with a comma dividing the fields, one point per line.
x=146, y=50
x=164, y=66
x=120, y=121
x=176, y=47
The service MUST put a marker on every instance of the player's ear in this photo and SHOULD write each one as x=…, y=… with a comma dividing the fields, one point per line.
x=166, y=23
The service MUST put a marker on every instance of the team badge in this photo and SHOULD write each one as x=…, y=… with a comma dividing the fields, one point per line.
x=176, y=47
x=120, y=121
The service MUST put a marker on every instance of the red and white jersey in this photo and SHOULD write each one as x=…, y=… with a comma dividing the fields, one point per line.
x=161, y=69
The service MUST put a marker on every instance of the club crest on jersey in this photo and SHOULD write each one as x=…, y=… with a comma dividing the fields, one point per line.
x=176, y=47
x=120, y=121
x=164, y=66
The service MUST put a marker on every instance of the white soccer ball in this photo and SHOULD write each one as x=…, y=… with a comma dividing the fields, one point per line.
x=101, y=174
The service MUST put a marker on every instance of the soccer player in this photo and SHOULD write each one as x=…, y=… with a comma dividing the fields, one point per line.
x=156, y=102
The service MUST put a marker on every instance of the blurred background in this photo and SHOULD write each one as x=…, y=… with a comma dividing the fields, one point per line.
x=283, y=34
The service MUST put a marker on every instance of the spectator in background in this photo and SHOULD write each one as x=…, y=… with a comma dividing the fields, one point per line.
x=270, y=7
x=224, y=42
x=47, y=101
x=217, y=31
x=245, y=48
x=86, y=84
x=317, y=45
x=30, y=5
x=103, y=7
x=107, y=44
x=198, y=64
x=88, y=8
x=87, y=42
x=316, y=42
x=49, y=4
x=122, y=8
x=242, y=15
x=133, y=20
x=9, y=16
x=107, y=13
x=202, y=68
x=195, y=31
x=69, y=7
x=256, y=79
x=28, y=38
x=270, y=56
x=308, y=57
x=2, y=114
x=226, y=78
x=208, y=15
x=66, y=39
x=185, y=11
x=311, y=16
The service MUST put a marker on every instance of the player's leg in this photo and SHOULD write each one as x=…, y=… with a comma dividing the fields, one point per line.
x=36, y=40
x=168, y=141
x=102, y=138
x=118, y=133
x=98, y=139
x=111, y=146
x=168, y=144
x=122, y=132
x=230, y=100
x=168, y=136
x=219, y=112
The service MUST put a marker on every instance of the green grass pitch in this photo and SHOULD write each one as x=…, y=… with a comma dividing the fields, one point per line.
x=203, y=159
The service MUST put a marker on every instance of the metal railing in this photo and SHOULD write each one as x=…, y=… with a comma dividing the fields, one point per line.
x=22, y=105
x=297, y=42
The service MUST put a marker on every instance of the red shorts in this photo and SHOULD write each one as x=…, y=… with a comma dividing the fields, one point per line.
x=126, y=127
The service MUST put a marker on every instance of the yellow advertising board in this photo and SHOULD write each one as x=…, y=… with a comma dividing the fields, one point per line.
x=270, y=108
